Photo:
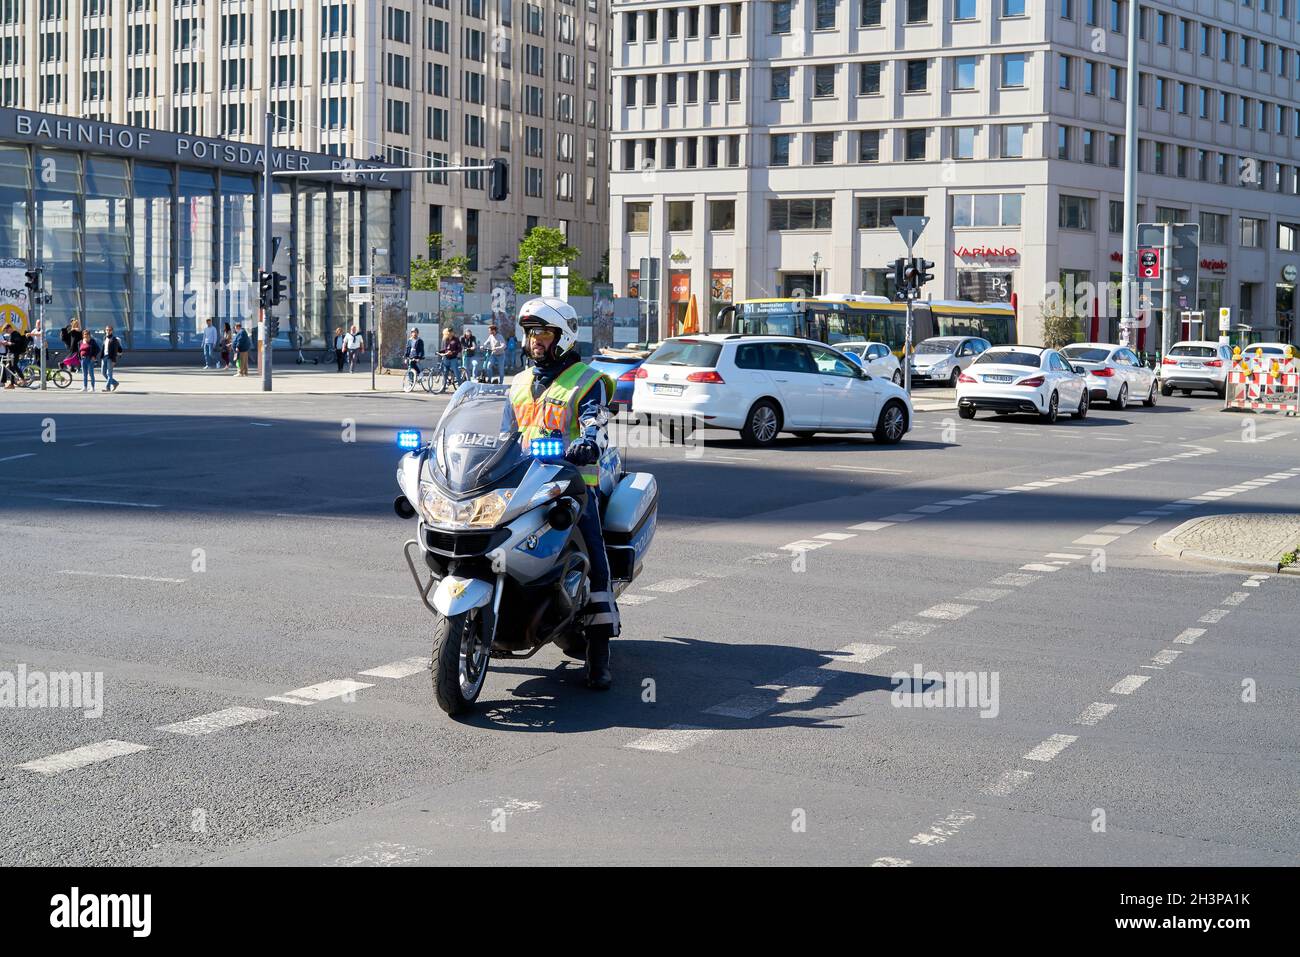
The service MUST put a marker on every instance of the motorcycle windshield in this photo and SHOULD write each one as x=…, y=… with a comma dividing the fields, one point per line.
x=477, y=439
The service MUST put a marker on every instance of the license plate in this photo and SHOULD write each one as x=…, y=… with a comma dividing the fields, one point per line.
x=1189, y=365
x=669, y=389
x=998, y=378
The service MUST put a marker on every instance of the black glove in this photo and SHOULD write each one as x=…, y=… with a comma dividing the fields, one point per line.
x=582, y=452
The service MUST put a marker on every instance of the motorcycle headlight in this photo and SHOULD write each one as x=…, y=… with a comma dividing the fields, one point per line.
x=485, y=511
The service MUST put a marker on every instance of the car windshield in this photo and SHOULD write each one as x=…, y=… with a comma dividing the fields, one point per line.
x=937, y=346
x=686, y=352
x=1194, y=352
x=1030, y=359
x=477, y=438
x=1086, y=354
x=1267, y=350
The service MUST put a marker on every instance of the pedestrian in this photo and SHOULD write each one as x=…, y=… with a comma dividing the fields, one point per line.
x=512, y=347
x=210, y=342
x=7, y=359
x=88, y=351
x=226, y=340
x=450, y=352
x=469, y=352
x=495, y=347
x=112, y=351
x=340, y=347
x=239, y=349
x=70, y=336
x=355, y=345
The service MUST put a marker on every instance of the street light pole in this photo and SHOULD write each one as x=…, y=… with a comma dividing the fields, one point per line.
x=816, y=258
x=530, y=275
x=268, y=132
x=1129, y=280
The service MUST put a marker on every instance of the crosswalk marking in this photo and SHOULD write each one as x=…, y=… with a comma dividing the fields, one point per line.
x=80, y=757
x=216, y=721
x=398, y=669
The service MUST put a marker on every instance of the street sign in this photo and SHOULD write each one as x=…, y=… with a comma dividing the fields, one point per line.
x=362, y=297
x=1225, y=319
x=910, y=228
x=356, y=281
x=1148, y=263
x=387, y=284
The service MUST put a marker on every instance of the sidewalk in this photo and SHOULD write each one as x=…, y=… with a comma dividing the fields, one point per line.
x=287, y=379
x=1247, y=542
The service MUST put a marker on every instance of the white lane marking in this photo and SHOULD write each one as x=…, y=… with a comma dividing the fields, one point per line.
x=890, y=862
x=956, y=502
x=80, y=757
x=672, y=740
x=359, y=594
x=941, y=830
x=835, y=536
x=1007, y=782
x=931, y=509
x=1166, y=657
x=82, y=445
x=100, y=501
x=1189, y=636
x=1012, y=578
x=870, y=526
x=334, y=518
x=1136, y=520
x=1051, y=747
x=947, y=611
x=804, y=545
x=398, y=669
x=635, y=599
x=1107, y=438
x=1214, y=616
x=1070, y=555
x=1129, y=683
x=1236, y=598
x=1260, y=578
x=858, y=652
x=262, y=425
x=1249, y=584
x=1095, y=712
x=795, y=687
x=1116, y=529
x=14, y=458
x=674, y=584
x=979, y=497
x=283, y=700
x=1039, y=567
x=322, y=691
x=1094, y=539
x=137, y=578
x=908, y=629
x=217, y=720
x=901, y=517
x=984, y=594
x=862, y=468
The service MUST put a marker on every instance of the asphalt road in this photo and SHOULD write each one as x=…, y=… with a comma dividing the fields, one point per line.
x=205, y=554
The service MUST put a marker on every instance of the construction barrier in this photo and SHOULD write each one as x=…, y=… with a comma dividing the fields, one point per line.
x=1263, y=385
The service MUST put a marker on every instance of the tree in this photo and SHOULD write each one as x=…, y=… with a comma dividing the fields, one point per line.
x=425, y=273
x=546, y=247
x=1059, y=329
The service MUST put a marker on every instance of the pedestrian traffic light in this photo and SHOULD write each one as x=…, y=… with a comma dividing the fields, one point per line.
x=265, y=283
x=34, y=280
x=279, y=284
x=499, y=181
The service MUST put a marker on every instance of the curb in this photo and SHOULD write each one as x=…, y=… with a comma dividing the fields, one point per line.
x=1165, y=545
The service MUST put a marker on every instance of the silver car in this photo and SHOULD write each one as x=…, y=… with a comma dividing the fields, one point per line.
x=1115, y=373
x=1197, y=365
x=943, y=358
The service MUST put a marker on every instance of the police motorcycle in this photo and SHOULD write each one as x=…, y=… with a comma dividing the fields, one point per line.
x=498, y=557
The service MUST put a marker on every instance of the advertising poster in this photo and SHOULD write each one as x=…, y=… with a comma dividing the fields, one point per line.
x=13, y=295
x=634, y=284
x=602, y=316
x=451, y=299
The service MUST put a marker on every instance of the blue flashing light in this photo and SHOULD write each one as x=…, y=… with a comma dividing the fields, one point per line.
x=409, y=439
x=546, y=448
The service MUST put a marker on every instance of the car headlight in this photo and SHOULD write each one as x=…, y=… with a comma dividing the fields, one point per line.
x=485, y=511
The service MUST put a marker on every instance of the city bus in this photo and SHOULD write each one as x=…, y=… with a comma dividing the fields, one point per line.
x=850, y=318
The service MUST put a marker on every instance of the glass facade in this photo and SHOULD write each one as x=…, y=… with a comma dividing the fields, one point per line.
x=155, y=249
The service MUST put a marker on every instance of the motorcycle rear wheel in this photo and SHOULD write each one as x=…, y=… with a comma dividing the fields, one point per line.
x=460, y=661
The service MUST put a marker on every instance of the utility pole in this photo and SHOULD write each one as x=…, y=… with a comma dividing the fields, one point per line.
x=816, y=258
x=266, y=253
x=1129, y=281
x=530, y=275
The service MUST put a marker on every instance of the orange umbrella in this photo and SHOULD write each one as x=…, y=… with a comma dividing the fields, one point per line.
x=691, y=321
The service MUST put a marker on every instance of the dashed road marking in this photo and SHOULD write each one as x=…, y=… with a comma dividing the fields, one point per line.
x=1095, y=713
x=398, y=669
x=1189, y=635
x=891, y=862
x=80, y=757
x=1013, y=578
x=858, y=652
x=835, y=536
x=901, y=517
x=14, y=458
x=1007, y=782
x=1129, y=683
x=676, y=584
x=1166, y=657
x=1039, y=567
x=931, y=509
x=943, y=829
x=322, y=691
x=908, y=629
x=870, y=526
x=104, y=501
x=1094, y=539
x=635, y=599
x=1072, y=556
x=217, y=721
x=1051, y=747
x=134, y=578
x=803, y=545
x=673, y=739
x=1214, y=616
x=1236, y=598
x=1137, y=520
x=947, y=611
x=1116, y=529
x=984, y=594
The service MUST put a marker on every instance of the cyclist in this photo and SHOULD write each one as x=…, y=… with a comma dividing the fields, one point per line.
x=414, y=353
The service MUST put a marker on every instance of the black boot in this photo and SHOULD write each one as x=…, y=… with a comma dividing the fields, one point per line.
x=599, y=677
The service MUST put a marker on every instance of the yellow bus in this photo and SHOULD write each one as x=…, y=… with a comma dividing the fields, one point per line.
x=849, y=318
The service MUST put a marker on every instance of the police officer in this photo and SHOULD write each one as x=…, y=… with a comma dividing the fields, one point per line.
x=561, y=394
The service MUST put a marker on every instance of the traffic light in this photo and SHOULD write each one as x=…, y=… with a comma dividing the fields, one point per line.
x=911, y=277
x=923, y=274
x=34, y=281
x=900, y=281
x=499, y=181
x=279, y=283
x=266, y=286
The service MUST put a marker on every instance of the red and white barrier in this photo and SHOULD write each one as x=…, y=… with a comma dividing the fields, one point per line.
x=1258, y=388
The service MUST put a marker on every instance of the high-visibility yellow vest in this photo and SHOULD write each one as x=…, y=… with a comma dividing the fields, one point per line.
x=555, y=411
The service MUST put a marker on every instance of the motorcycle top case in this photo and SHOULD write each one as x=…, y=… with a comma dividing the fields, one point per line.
x=629, y=522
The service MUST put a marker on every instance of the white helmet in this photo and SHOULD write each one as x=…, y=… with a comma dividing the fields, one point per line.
x=545, y=312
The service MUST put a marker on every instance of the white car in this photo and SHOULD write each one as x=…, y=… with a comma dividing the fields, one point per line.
x=876, y=358
x=1022, y=379
x=1115, y=374
x=1271, y=350
x=761, y=386
x=943, y=358
x=1195, y=364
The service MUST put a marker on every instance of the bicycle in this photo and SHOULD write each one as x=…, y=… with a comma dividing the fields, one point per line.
x=444, y=375
x=424, y=378
x=28, y=374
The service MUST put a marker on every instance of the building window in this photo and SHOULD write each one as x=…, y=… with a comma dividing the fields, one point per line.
x=917, y=75
x=1013, y=141
x=824, y=80
x=963, y=9
x=780, y=17
x=1013, y=70
x=878, y=212
x=780, y=83
x=1286, y=237
x=1214, y=229
x=823, y=149
x=986, y=209
x=780, y=155
x=823, y=14
x=963, y=142
x=1013, y=8
x=870, y=15
x=722, y=214
x=869, y=146
x=1089, y=138
x=963, y=72
x=914, y=144
x=681, y=216
x=637, y=217
x=1252, y=232
x=1075, y=213
x=799, y=214
x=918, y=11
x=1063, y=134
x=868, y=79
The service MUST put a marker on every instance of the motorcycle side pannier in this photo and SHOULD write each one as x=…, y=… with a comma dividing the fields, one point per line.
x=629, y=523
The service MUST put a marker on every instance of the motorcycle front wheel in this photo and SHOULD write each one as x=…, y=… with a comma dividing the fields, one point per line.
x=460, y=661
